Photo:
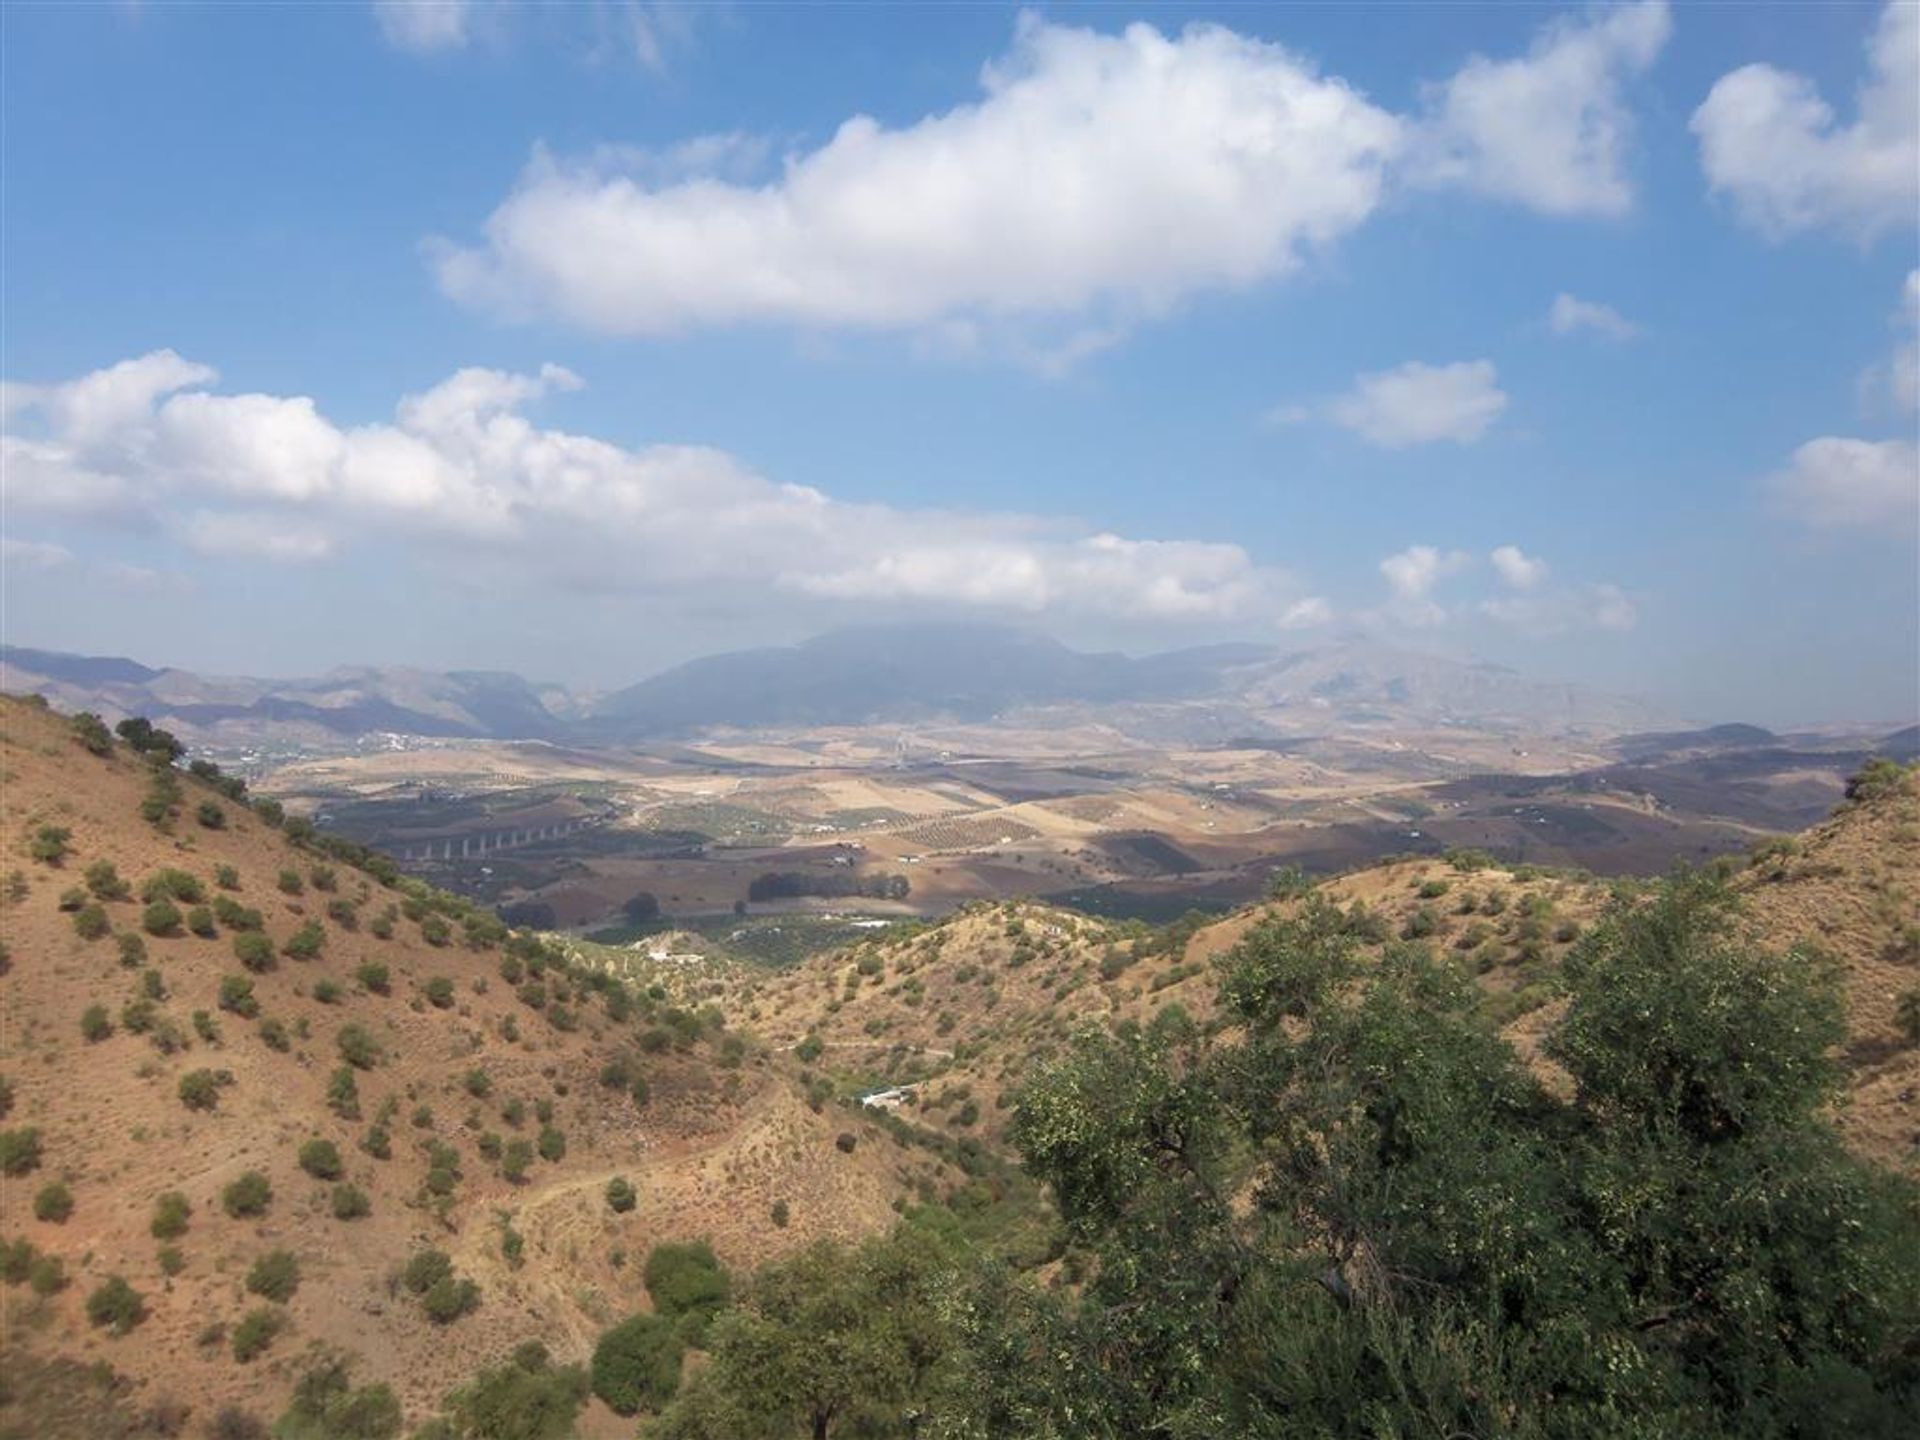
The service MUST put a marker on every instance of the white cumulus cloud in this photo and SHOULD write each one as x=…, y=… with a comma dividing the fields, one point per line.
x=273, y=478
x=1417, y=404
x=1550, y=130
x=1834, y=483
x=1098, y=178
x=1412, y=575
x=1516, y=569
x=1127, y=168
x=1776, y=150
x=1569, y=315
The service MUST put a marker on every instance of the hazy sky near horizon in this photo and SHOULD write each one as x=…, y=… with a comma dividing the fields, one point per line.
x=581, y=339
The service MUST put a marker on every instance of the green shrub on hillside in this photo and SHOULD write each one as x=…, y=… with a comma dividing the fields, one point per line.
x=115, y=1306
x=275, y=1276
x=161, y=919
x=636, y=1364
x=320, y=1159
x=248, y=1195
x=171, y=1212
x=687, y=1283
x=257, y=1330
x=53, y=1203
x=357, y=1047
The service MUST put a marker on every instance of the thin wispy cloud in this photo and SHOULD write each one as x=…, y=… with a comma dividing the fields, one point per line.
x=1570, y=315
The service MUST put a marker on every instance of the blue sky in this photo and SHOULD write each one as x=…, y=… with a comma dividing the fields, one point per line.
x=1579, y=339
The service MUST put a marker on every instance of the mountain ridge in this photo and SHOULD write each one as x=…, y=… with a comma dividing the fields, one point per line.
x=881, y=674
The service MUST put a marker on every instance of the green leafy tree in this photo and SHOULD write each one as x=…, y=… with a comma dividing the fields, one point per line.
x=636, y=1364
x=527, y=1399
x=833, y=1341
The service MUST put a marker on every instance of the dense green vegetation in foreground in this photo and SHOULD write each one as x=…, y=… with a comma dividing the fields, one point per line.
x=1352, y=1211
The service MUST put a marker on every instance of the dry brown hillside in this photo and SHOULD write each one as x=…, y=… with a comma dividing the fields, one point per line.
x=468, y=1065
x=1850, y=888
x=969, y=1006
x=962, y=1012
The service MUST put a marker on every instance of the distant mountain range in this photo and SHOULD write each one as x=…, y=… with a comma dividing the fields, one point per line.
x=908, y=674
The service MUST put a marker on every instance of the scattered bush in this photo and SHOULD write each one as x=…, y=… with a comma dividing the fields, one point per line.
x=306, y=942
x=90, y=732
x=161, y=919
x=357, y=1047
x=19, y=1151
x=343, y=1095
x=275, y=1276
x=199, y=1090
x=54, y=1203
x=116, y=1306
x=553, y=1144
x=249, y=1195
x=236, y=996
x=47, y=1275
x=211, y=815
x=94, y=1024
x=350, y=1202
x=320, y=1159
x=90, y=922
x=621, y=1196
x=170, y=1215
x=373, y=977
x=255, y=1332
x=325, y=1406
x=439, y=992
x=49, y=844
x=515, y=1161
x=845, y=1141
x=253, y=950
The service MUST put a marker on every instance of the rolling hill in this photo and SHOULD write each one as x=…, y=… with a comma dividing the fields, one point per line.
x=143, y=1058
x=496, y=1083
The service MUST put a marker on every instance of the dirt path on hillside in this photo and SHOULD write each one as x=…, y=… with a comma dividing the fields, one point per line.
x=550, y=1219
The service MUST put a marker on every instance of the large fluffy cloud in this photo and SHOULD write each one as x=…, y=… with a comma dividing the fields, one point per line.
x=270, y=476
x=1416, y=404
x=1834, y=483
x=1772, y=146
x=1098, y=173
x=1551, y=129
